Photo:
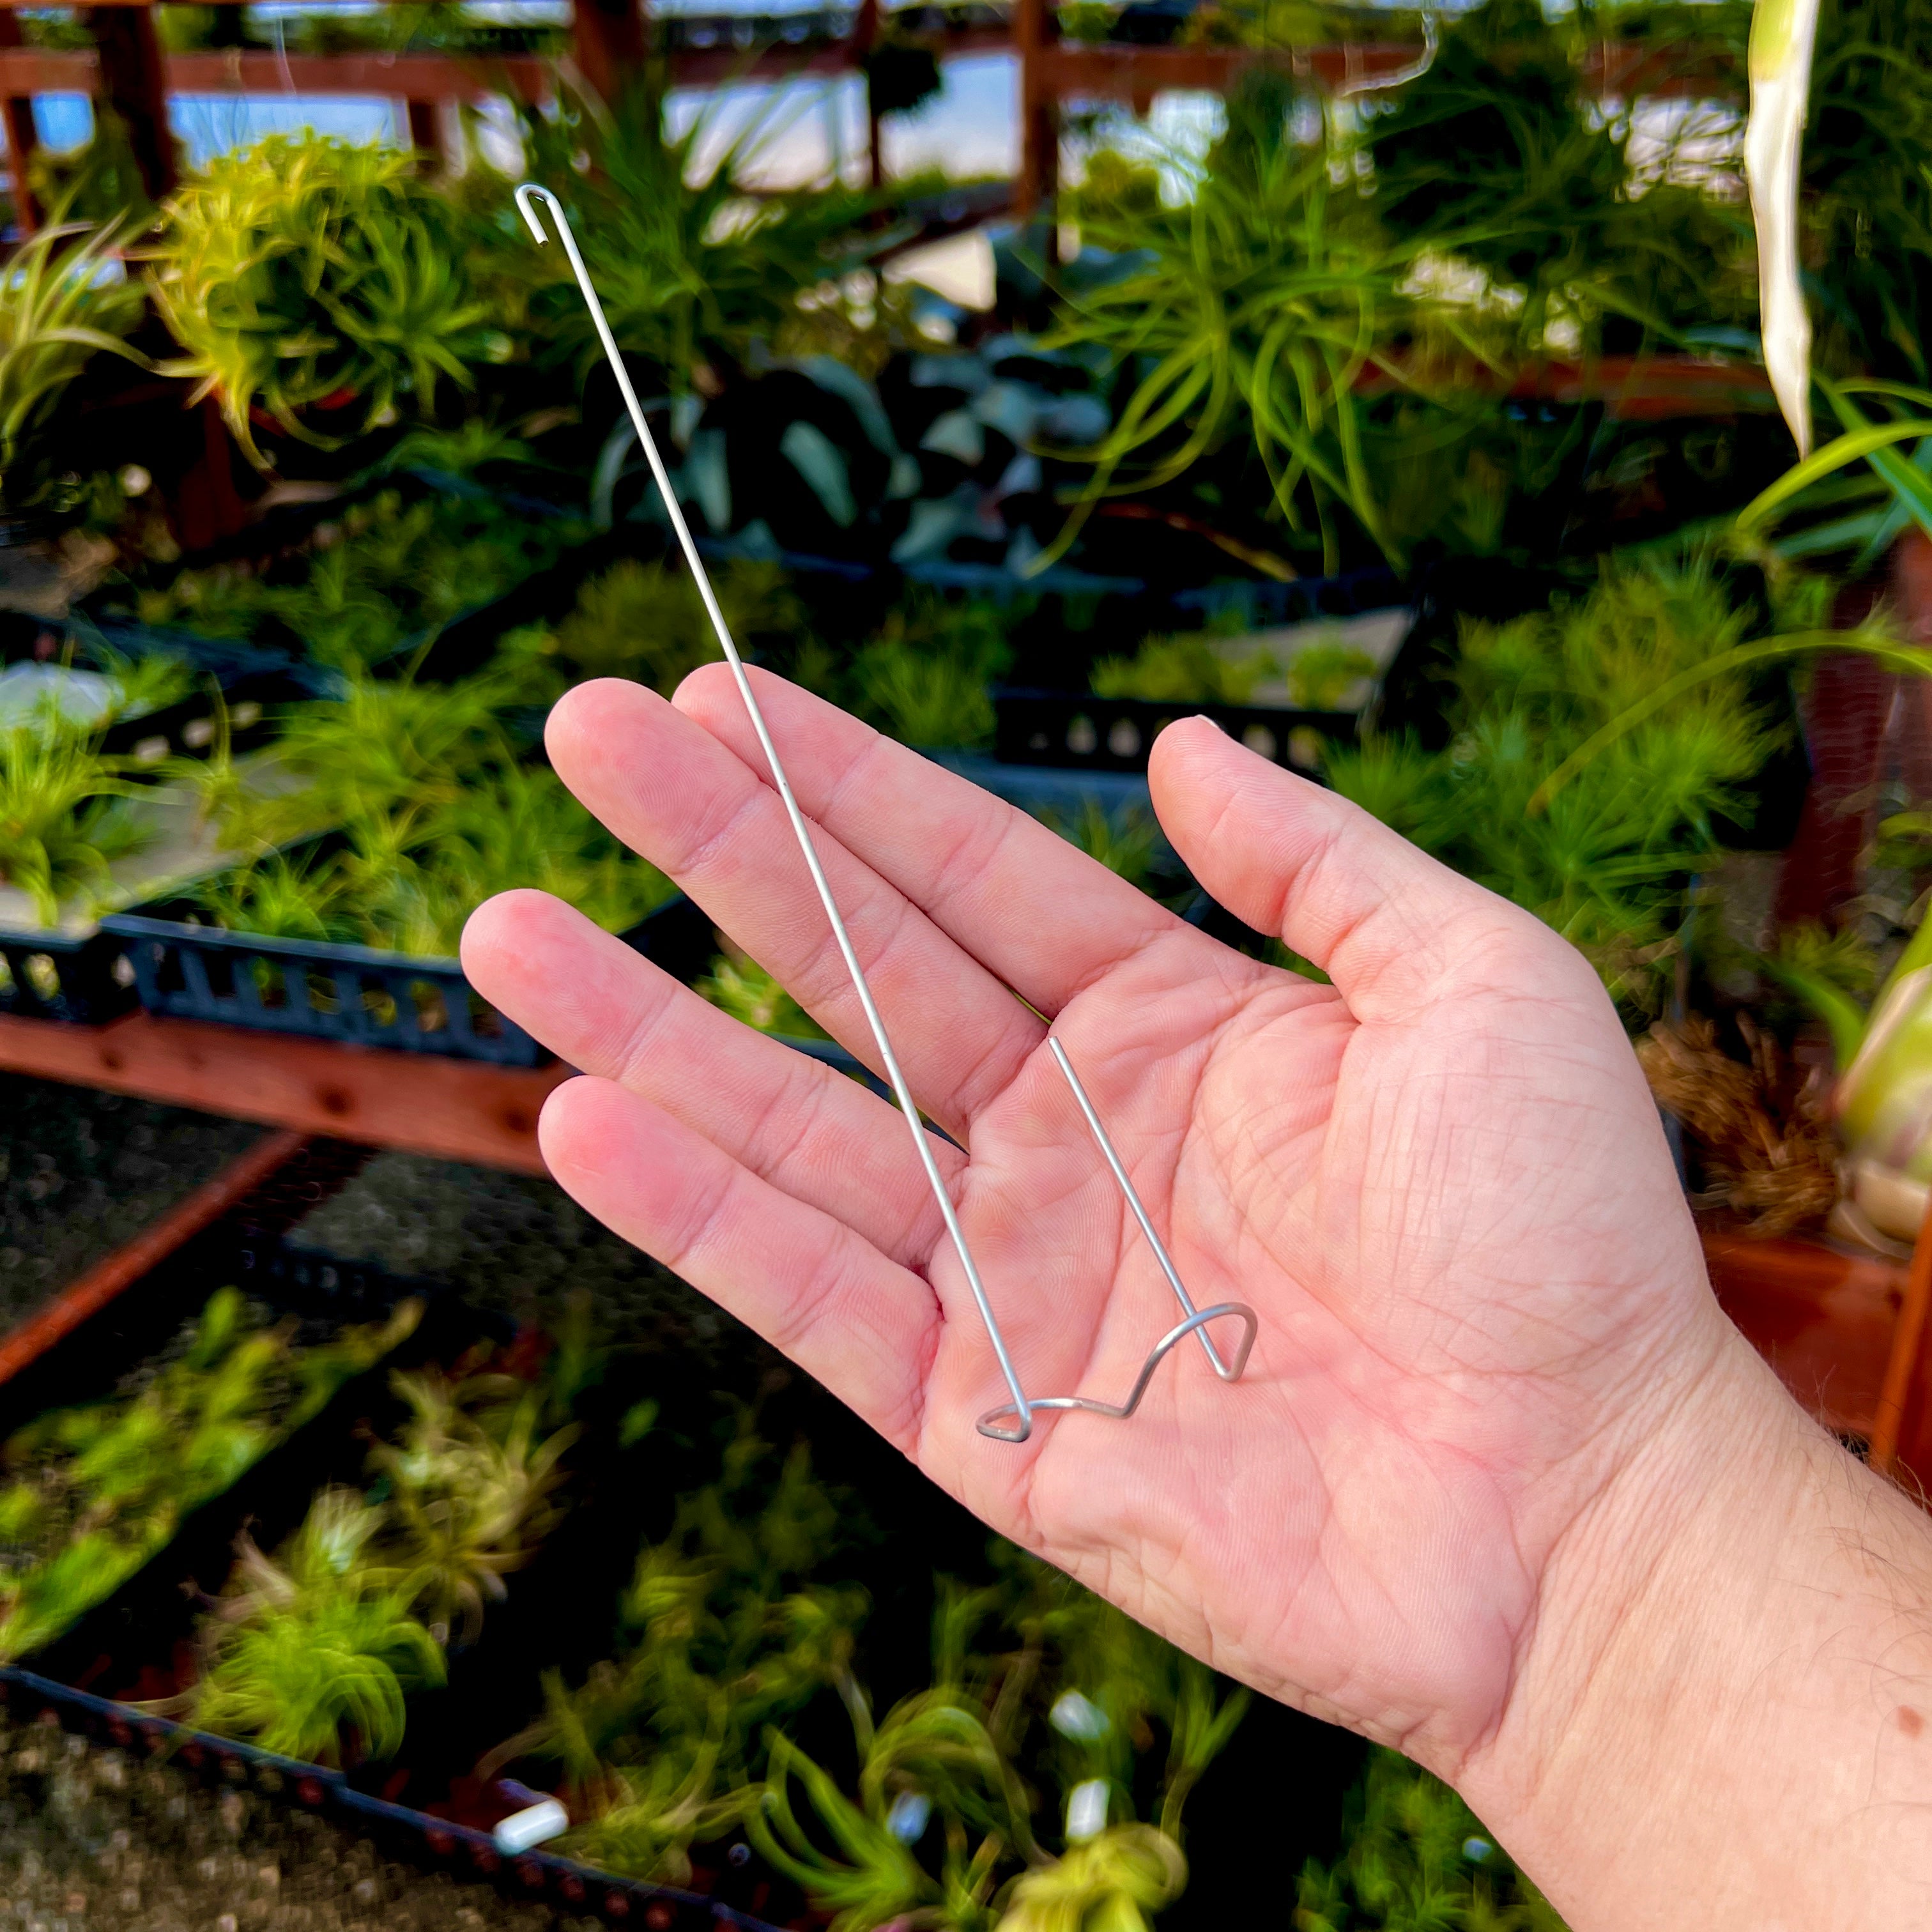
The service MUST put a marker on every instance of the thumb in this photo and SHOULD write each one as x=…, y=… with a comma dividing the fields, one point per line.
x=1393, y=928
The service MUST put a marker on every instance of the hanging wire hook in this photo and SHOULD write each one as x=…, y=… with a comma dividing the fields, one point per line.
x=1022, y=1409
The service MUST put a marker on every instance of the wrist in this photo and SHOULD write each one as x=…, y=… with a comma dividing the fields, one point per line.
x=1727, y=1687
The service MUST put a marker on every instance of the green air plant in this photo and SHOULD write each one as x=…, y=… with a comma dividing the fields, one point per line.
x=434, y=813
x=1253, y=310
x=1195, y=667
x=1327, y=676
x=66, y=804
x=1415, y=1858
x=388, y=575
x=694, y=267
x=95, y=1492
x=1521, y=186
x=646, y=621
x=726, y=1633
x=313, y=1654
x=742, y=988
x=1127, y=841
x=925, y=678
x=62, y=301
x=63, y=815
x=940, y=1828
x=473, y=1491
x=304, y=271
x=318, y=1646
x=1594, y=747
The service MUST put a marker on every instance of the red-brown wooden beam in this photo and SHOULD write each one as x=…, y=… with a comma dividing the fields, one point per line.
x=27, y=71
x=454, y=1109
x=609, y=40
x=16, y=124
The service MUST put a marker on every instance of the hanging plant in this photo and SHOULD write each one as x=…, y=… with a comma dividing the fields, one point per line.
x=306, y=271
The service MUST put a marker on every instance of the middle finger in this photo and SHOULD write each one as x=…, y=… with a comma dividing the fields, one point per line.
x=671, y=789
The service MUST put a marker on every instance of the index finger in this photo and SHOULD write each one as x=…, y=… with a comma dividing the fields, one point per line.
x=1035, y=911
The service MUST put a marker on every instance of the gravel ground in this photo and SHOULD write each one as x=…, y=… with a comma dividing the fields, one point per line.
x=81, y=1172
x=92, y=1838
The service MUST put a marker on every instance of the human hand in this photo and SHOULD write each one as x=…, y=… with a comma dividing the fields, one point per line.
x=1441, y=1183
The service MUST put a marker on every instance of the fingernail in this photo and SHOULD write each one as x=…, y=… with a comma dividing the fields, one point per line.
x=1206, y=720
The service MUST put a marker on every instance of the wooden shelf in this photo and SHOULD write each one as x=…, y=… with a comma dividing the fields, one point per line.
x=454, y=1109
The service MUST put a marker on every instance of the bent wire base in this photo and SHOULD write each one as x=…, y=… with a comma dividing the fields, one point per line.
x=1021, y=1408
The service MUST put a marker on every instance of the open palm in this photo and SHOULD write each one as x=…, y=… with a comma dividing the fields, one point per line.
x=1439, y=1182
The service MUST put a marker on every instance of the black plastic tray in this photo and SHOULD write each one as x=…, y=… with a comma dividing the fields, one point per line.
x=53, y=975
x=357, y=994
x=1073, y=731
x=86, y=979
x=427, y=1842
x=319, y=991
x=142, y=1623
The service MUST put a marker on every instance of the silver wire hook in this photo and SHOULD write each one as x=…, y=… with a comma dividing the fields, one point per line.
x=1021, y=1408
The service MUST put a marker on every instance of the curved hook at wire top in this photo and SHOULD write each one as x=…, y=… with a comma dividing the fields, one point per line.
x=1021, y=1406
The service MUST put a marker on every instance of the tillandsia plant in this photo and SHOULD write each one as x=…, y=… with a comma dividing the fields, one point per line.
x=646, y=621
x=694, y=263
x=305, y=271
x=63, y=300
x=95, y=1491
x=317, y=1644
x=742, y=988
x=1194, y=667
x=939, y=1830
x=313, y=1654
x=388, y=575
x=1594, y=749
x=1415, y=1857
x=926, y=677
x=64, y=801
x=434, y=812
x=1253, y=311
x=726, y=1632
x=1127, y=841
x=472, y=1489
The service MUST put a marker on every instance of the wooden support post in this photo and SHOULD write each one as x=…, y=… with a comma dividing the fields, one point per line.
x=864, y=38
x=426, y=135
x=611, y=43
x=1866, y=728
x=133, y=86
x=1040, y=112
x=16, y=120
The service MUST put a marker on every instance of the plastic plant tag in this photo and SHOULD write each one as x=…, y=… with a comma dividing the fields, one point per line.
x=535, y=1824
